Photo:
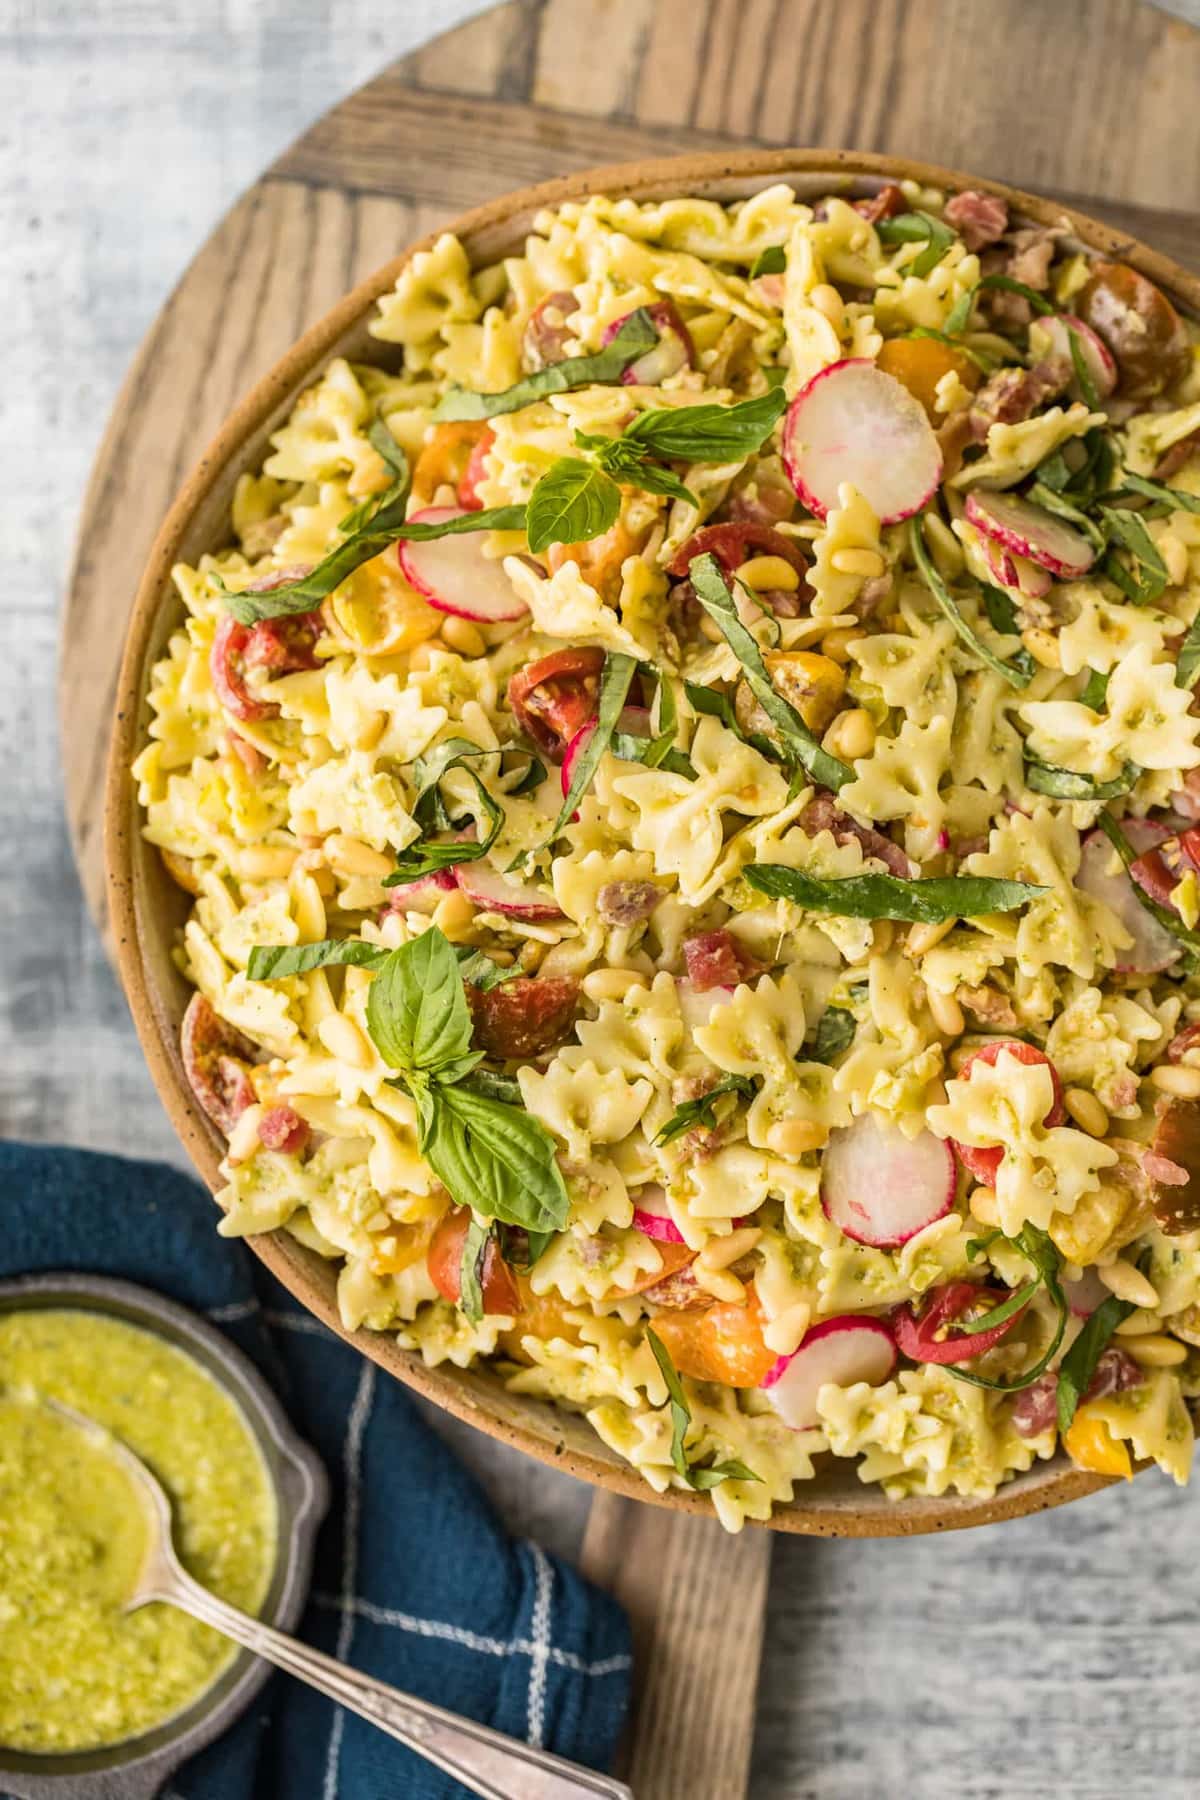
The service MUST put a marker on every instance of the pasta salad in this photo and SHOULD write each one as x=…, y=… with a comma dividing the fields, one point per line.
x=689, y=780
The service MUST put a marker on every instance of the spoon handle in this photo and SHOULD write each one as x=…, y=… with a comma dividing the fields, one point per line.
x=486, y=1761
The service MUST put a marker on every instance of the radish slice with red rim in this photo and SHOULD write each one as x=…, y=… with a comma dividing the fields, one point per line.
x=1101, y=875
x=673, y=351
x=854, y=423
x=422, y=894
x=493, y=892
x=455, y=576
x=633, y=722
x=1016, y=573
x=650, y=1215
x=842, y=1351
x=1024, y=529
x=880, y=1187
x=1052, y=337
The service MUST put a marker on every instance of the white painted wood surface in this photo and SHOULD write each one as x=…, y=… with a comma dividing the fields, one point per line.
x=1054, y=1656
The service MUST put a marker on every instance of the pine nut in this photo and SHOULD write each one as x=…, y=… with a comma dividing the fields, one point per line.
x=1139, y=1324
x=719, y=1252
x=1087, y=1112
x=266, y=862
x=342, y=1038
x=421, y=656
x=785, y=1334
x=947, y=1013
x=464, y=637
x=610, y=984
x=1158, y=1351
x=883, y=936
x=1042, y=646
x=836, y=644
x=711, y=630
x=852, y=735
x=719, y=1283
x=352, y=857
x=1177, y=1079
x=454, y=914
x=1127, y=1283
x=531, y=955
x=829, y=303
x=796, y=1137
x=762, y=572
x=982, y=1202
x=867, y=563
x=923, y=937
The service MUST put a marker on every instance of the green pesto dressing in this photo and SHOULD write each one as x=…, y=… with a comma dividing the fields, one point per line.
x=75, y=1671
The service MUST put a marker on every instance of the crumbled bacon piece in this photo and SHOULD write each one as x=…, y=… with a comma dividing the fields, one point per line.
x=989, y=1006
x=627, y=902
x=677, y=1292
x=1011, y=395
x=248, y=754
x=1185, y=1039
x=979, y=219
x=1172, y=460
x=282, y=1128
x=886, y=204
x=1035, y=1409
x=525, y=1016
x=823, y=814
x=715, y=959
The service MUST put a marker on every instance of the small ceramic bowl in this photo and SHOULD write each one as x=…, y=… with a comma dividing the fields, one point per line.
x=139, y=1768
x=147, y=909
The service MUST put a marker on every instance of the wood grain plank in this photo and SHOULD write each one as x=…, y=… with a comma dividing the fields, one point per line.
x=696, y=1598
x=603, y=85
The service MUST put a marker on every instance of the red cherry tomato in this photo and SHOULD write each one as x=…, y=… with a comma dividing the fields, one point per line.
x=732, y=543
x=982, y=1161
x=928, y=1337
x=555, y=696
x=444, y=1262
x=216, y=1060
x=525, y=1016
x=475, y=472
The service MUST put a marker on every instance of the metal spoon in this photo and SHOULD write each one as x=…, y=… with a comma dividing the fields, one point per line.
x=486, y=1761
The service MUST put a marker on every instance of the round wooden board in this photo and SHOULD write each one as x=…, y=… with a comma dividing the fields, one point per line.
x=1016, y=90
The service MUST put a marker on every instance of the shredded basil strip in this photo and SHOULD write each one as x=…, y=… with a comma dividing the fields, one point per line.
x=834, y=1034
x=714, y=705
x=429, y=810
x=960, y=313
x=481, y=972
x=771, y=261
x=573, y=502
x=1170, y=921
x=1065, y=784
x=271, y=962
x=799, y=744
x=918, y=228
x=927, y=901
x=471, y=1269
x=638, y=333
x=1079, y=1364
x=1147, y=578
x=1008, y=1309
x=1015, y=677
x=1187, y=663
x=1094, y=693
x=1039, y=1249
x=702, y=1110
x=1083, y=374
x=1175, y=498
x=614, y=689
x=695, y=1475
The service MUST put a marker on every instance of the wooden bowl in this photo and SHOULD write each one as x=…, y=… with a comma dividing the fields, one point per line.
x=148, y=909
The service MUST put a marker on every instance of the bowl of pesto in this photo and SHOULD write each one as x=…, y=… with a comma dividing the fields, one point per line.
x=93, y=1700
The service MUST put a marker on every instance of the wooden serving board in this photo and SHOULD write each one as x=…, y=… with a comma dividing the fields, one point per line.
x=1103, y=113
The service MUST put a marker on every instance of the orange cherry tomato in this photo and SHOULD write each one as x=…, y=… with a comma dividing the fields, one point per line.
x=540, y=1316
x=920, y=363
x=1091, y=1445
x=446, y=457
x=599, y=559
x=674, y=1258
x=723, y=1343
x=444, y=1262
x=407, y=1245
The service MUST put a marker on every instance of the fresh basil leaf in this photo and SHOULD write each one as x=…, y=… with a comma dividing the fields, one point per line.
x=1094, y=693
x=614, y=688
x=417, y=1012
x=271, y=962
x=986, y=363
x=1065, y=784
x=771, y=261
x=638, y=334
x=1187, y=663
x=999, y=1315
x=834, y=1034
x=1083, y=375
x=696, y=1477
x=714, y=434
x=480, y=971
x=1084, y=481
x=981, y=1245
x=1175, y=498
x=471, y=1269
x=652, y=478
x=1170, y=921
x=1079, y=1364
x=495, y=1158
x=573, y=502
x=702, y=1477
x=1146, y=578
x=702, y=1110
x=918, y=228
x=1001, y=610
x=799, y=744
x=497, y=1087
x=380, y=438
x=927, y=901
x=1015, y=677
x=521, y=1248
x=427, y=856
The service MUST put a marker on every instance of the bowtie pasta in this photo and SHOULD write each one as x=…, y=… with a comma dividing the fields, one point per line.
x=687, y=777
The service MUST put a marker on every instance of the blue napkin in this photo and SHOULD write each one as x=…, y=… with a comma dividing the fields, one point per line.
x=415, y=1580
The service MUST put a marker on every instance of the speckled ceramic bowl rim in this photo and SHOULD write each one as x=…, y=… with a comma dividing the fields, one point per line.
x=139, y=1768
x=146, y=911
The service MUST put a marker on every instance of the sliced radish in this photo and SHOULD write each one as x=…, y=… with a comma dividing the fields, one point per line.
x=983, y=1160
x=880, y=1187
x=634, y=722
x=1017, y=573
x=455, y=576
x=851, y=1348
x=1052, y=337
x=651, y=1216
x=855, y=423
x=1024, y=529
x=423, y=894
x=695, y=1005
x=673, y=351
x=1101, y=875
x=488, y=889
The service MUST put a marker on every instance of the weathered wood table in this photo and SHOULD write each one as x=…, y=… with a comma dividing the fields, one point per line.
x=1049, y=1656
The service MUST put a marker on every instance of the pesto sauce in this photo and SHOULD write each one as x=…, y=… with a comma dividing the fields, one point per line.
x=75, y=1671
